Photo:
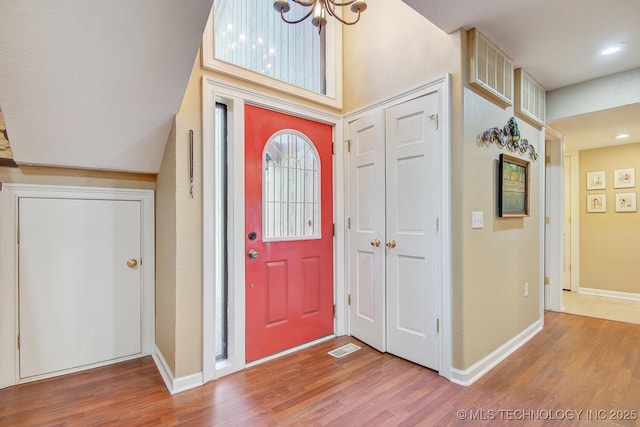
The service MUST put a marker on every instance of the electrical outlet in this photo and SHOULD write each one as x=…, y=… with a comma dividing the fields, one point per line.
x=526, y=289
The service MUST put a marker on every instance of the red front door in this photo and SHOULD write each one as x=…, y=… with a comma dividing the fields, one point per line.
x=289, y=231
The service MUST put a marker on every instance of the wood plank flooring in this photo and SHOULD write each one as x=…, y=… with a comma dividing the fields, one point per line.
x=575, y=364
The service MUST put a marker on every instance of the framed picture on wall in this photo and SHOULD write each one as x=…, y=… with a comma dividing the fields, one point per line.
x=624, y=178
x=596, y=180
x=596, y=203
x=625, y=202
x=513, y=187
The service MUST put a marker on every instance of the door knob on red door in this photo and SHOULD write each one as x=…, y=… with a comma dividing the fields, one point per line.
x=252, y=254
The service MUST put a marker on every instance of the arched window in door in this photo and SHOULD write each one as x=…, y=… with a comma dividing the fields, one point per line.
x=291, y=188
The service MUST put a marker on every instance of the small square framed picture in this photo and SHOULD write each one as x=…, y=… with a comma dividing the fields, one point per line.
x=624, y=178
x=596, y=180
x=625, y=202
x=596, y=203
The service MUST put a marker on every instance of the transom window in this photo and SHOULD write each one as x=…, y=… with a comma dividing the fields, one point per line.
x=251, y=34
x=291, y=188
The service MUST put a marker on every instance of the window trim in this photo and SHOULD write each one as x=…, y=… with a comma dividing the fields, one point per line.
x=333, y=65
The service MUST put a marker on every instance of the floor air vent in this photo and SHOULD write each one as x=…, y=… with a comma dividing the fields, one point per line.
x=344, y=350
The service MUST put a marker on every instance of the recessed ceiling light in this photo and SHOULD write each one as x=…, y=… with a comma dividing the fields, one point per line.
x=610, y=50
x=622, y=136
x=613, y=49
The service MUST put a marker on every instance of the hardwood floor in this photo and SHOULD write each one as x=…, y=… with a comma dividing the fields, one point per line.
x=575, y=364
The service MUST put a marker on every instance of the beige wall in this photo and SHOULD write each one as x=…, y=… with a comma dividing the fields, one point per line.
x=179, y=237
x=609, y=242
x=489, y=303
x=390, y=50
x=166, y=254
x=490, y=266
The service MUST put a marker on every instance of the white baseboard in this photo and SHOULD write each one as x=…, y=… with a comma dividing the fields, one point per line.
x=606, y=293
x=174, y=385
x=477, y=370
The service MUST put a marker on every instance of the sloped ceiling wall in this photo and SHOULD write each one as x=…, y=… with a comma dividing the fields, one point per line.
x=95, y=84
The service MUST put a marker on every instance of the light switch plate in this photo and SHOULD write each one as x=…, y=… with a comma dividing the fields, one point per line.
x=477, y=219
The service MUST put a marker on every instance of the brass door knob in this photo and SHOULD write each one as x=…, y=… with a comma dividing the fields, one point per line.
x=375, y=243
x=252, y=254
x=391, y=244
x=132, y=263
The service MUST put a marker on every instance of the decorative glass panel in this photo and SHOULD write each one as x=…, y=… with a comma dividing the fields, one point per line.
x=291, y=188
x=251, y=34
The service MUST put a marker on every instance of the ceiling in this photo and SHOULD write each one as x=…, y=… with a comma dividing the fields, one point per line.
x=558, y=43
x=95, y=84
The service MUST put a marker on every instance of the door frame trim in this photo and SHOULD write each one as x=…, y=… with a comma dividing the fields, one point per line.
x=235, y=97
x=553, y=198
x=442, y=86
x=9, y=197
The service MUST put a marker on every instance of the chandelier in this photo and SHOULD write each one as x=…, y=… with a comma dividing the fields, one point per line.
x=319, y=9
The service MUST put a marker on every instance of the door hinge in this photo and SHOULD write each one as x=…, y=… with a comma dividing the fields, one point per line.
x=334, y=311
x=547, y=281
x=437, y=224
x=437, y=325
x=333, y=148
x=547, y=220
x=18, y=235
x=349, y=299
x=348, y=141
x=140, y=261
x=349, y=223
x=18, y=341
x=547, y=160
x=334, y=228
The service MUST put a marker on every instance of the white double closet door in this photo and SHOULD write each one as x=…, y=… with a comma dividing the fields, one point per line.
x=394, y=260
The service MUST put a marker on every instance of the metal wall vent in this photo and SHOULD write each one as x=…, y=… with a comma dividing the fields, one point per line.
x=490, y=70
x=530, y=99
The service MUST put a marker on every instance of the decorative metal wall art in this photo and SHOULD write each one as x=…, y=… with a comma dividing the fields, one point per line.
x=508, y=137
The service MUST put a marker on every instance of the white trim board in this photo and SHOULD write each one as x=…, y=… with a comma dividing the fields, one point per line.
x=9, y=196
x=470, y=375
x=608, y=293
x=235, y=97
x=174, y=385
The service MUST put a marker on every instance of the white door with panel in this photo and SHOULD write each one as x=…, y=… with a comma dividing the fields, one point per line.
x=394, y=231
x=367, y=258
x=79, y=283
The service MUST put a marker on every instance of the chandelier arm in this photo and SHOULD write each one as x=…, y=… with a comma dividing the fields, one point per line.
x=331, y=12
x=295, y=21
